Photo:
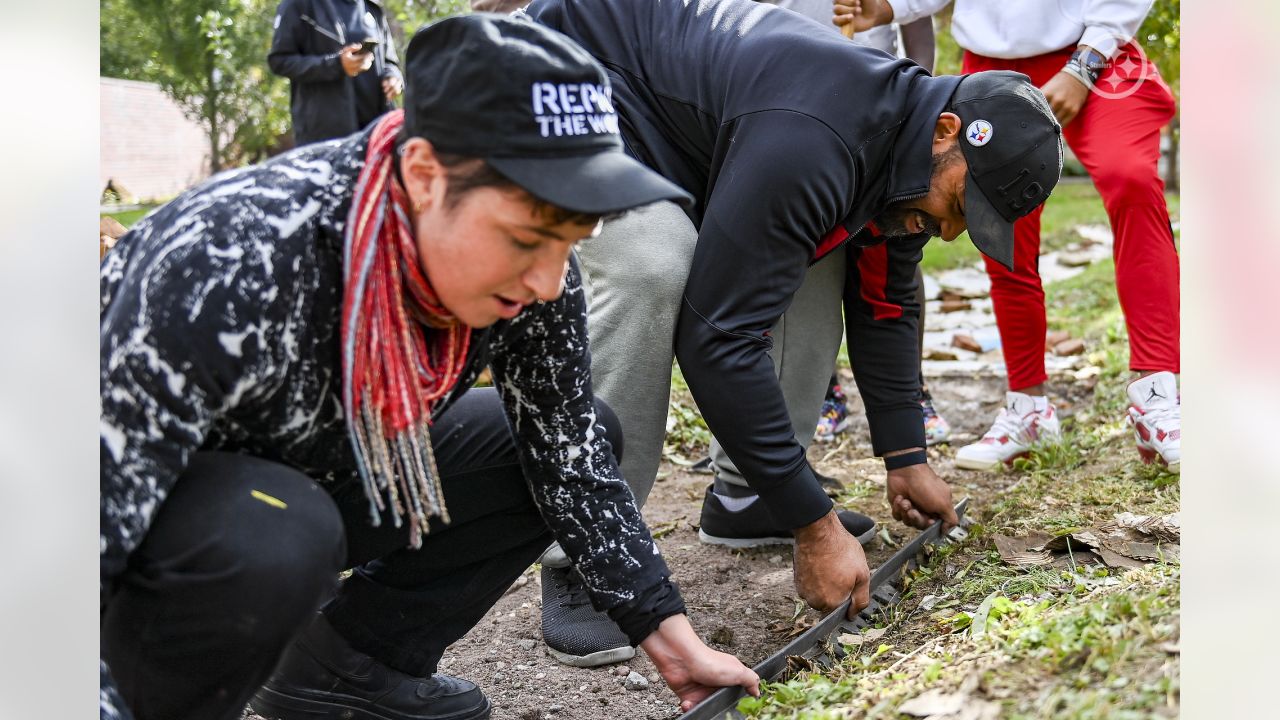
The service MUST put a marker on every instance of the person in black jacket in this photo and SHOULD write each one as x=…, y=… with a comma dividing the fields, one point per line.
x=341, y=63
x=286, y=353
x=805, y=154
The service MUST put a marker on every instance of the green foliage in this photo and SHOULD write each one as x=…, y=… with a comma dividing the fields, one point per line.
x=210, y=57
x=949, y=55
x=128, y=217
x=1161, y=38
x=407, y=16
x=1072, y=204
x=803, y=698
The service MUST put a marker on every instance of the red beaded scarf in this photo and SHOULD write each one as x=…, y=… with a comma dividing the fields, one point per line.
x=401, y=349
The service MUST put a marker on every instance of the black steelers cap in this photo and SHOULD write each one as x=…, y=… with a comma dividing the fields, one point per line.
x=1013, y=146
x=531, y=102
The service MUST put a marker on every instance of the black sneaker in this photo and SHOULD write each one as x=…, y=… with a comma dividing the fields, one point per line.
x=321, y=676
x=575, y=633
x=745, y=522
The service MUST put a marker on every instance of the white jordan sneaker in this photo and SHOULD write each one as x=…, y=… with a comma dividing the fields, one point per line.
x=1155, y=412
x=1023, y=422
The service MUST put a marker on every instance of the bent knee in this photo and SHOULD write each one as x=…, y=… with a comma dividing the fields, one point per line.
x=268, y=525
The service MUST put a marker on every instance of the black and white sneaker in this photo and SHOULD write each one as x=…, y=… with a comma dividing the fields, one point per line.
x=575, y=633
x=743, y=522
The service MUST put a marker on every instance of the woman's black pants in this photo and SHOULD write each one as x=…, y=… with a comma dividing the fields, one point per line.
x=243, y=552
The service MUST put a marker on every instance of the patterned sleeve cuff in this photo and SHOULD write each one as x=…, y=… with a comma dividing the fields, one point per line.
x=640, y=617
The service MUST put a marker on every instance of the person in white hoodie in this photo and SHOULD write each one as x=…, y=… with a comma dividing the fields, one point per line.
x=1112, y=103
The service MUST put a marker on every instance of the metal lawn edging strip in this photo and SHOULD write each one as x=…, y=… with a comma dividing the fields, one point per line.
x=813, y=645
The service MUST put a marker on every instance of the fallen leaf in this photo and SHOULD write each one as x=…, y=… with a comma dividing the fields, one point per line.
x=1116, y=560
x=1019, y=551
x=978, y=625
x=933, y=702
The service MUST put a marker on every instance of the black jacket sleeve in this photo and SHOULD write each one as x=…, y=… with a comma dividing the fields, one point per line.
x=881, y=320
x=295, y=55
x=784, y=181
x=390, y=59
x=544, y=379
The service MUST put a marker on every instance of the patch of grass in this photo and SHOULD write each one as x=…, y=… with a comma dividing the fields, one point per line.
x=1102, y=649
x=855, y=490
x=687, y=432
x=1072, y=204
x=129, y=217
x=989, y=575
x=1088, y=643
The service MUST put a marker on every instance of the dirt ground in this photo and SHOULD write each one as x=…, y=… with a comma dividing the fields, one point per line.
x=739, y=601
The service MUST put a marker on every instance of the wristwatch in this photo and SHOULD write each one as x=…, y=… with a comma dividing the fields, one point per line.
x=1086, y=65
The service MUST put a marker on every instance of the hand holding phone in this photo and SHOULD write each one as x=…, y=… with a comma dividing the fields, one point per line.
x=354, y=61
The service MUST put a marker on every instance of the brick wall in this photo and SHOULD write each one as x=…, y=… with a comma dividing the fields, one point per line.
x=148, y=145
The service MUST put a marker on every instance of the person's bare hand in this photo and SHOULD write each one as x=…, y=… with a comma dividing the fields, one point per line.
x=830, y=567
x=918, y=497
x=1066, y=96
x=355, y=62
x=392, y=86
x=862, y=14
x=690, y=668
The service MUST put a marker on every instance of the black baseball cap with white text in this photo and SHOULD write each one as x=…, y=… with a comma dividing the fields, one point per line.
x=531, y=102
x=1013, y=145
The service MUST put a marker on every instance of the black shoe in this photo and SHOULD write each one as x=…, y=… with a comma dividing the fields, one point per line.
x=321, y=676
x=575, y=633
x=748, y=523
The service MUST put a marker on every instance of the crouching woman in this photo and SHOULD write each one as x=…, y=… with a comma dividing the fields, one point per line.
x=284, y=356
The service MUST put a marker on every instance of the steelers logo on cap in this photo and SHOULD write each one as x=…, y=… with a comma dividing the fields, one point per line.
x=979, y=133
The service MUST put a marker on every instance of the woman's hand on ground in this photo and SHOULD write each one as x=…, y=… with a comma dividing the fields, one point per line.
x=691, y=669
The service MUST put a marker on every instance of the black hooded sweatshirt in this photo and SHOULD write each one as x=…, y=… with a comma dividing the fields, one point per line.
x=791, y=139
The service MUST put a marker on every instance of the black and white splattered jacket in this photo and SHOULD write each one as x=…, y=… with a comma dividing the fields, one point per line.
x=220, y=331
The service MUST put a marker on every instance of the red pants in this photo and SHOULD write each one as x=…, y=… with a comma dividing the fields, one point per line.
x=1117, y=139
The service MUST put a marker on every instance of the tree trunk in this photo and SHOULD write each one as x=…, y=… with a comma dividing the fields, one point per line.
x=211, y=115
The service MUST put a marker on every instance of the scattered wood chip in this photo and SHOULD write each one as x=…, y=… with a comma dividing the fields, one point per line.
x=965, y=342
x=939, y=354
x=1074, y=346
x=1075, y=259
x=110, y=227
x=1055, y=337
x=1165, y=527
x=955, y=305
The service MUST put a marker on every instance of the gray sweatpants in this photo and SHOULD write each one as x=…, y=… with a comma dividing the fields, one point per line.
x=636, y=271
